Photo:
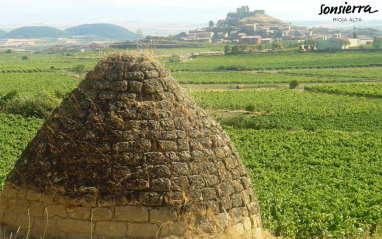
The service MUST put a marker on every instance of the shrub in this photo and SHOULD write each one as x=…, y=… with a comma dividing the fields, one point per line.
x=174, y=58
x=29, y=107
x=24, y=58
x=9, y=51
x=60, y=94
x=79, y=68
x=9, y=96
x=52, y=68
x=293, y=84
x=250, y=107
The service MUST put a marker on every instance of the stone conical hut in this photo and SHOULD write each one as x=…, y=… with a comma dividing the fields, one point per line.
x=128, y=155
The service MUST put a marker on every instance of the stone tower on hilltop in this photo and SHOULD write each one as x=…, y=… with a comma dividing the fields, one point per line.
x=128, y=155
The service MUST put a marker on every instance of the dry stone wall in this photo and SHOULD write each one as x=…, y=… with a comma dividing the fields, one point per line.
x=129, y=155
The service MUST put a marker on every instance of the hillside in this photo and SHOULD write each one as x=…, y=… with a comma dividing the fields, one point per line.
x=36, y=32
x=262, y=19
x=2, y=33
x=108, y=31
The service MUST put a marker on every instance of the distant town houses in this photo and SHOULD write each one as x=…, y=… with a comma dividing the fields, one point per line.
x=255, y=27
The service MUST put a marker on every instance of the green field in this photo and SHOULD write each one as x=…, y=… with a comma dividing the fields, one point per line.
x=366, y=90
x=12, y=62
x=30, y=84
x=281, y=60
x=15, y=133
x=322, y=184
x=371, y=73
x=238, y=77
x=314, y=155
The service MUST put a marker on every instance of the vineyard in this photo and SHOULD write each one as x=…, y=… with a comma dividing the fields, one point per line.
x=295, y=110
x=238, y=77
x=313, y=153
x=13, y=63
x=371, y=73
x=30, y=84
x=279, y=61
x=15, y=133
x=366, y=90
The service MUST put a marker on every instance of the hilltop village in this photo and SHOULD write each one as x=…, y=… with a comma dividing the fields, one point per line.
x=256, y=27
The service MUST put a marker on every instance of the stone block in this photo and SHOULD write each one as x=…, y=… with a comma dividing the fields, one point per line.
x=238, y=187
x=73, y=225
x=151, y=198
x=9, y=218
x=245, y=197
x=211, y=180
x=167, y=124
x=119, y=86
x=197, y=181
x=22, y=194
x=151, y=74
x=79, y=212
x=24, y=221
x=131, y=213
x=137, y=184
x=180, y=168
x=246, y=182
x=9, y=192
x=177, y=228
x=102, y=214
x=136, y=75
x=161, y=171
x=164, y=214
x=155, y=158
x=223, y=220
x=42, y=224
x=236, y=200
x=126, y=96
x=152, y=86
x=3, y=204
x=256, y=221
x=22, y=205
x=47, y=199
x=196, y=168
x=183, y=145
x=194, y=194
x=209, y=193
x=56, y=210
x=135, y=86
x=161, y=184
x=180, y=183
x=253, y=208
x=174, y=198
x=236, y=214
x=247, y=223
x=110, y=229
x=36, y=208
x=106, y=202
x=12, y=204
x=102, y=85
x=237, y=229
x=225, y=203
x=107, y=95
x=143, y=230
x=166, y=145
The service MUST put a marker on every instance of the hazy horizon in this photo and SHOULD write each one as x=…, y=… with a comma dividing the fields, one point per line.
x=168, y=15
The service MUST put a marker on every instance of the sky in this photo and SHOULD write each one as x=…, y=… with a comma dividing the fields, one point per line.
x=171, y=14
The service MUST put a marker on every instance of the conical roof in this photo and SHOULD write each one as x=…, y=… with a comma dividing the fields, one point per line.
x=124, y=155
